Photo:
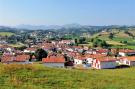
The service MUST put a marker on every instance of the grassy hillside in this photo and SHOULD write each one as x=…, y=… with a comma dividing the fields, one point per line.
x=6, y=33
x=17, y=45
x=119, y=37
x=39, y=77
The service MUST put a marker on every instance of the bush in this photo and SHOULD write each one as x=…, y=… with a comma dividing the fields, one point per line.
x=99, y=43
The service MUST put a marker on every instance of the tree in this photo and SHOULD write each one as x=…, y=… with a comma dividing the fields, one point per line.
x=109, y=53
x=82, y=40
x=125, y=42
x=100, y=43
x=31, y=54
x=67, y=58
x=76, y=41
x=83, y=52
x=40, y=53
x=111, y=35
x=116, y=54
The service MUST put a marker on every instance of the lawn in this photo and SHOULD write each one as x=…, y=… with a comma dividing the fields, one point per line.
x=6, y=34
x=39, y=77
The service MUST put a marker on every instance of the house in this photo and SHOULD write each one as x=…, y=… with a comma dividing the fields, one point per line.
x=30, y=50
x=130, y=60
x=125, y=52
x=89, y=62
x=54, y=61
x=33, y=59
x=79, y=60
x=102, y=51
x=67, y=42
x=91, y=51
x=22, y=59
x=19, y=59
x=104, y=63
x=7, y=59
x=84, y=60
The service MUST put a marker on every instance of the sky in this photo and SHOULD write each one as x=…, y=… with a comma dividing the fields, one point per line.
x=60, y=12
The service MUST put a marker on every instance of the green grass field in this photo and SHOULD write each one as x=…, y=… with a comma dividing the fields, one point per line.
x=17, y=45
x=39, y=77
x=118, y=39
x=6, y=34
x=114, y=43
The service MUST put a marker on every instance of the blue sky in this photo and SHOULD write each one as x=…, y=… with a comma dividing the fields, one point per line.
x=59, y=12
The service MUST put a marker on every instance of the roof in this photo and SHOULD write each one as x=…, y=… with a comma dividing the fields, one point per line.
x=54, y=59
x=83, y=57
x=96, y=55
x=106, y=59
x=7, y=58
x=130, y=58
x=21, y=58
x=31, y=49
x=18, y=58
x=126, y=50
x=66, y=41
x=102, y=50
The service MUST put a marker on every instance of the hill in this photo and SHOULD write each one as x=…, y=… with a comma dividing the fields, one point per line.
x=120, y=38
x=6, y=33
x=39, y=77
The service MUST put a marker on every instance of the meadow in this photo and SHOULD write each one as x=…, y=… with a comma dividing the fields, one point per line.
x=120, y=38
x=6, y=34
x=36, y=76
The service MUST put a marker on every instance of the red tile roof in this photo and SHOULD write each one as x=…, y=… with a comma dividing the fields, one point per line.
x=130, y=58
x=96, y=55
x=21, y=58
x=102, y=50
x=7, y=58
x=126, y=50
x=106, y=59
x=54, y=59
x=18, y=58
x=31, y=49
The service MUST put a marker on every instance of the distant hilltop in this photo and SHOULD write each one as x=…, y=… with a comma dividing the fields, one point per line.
x=35, y=27
x=66, y=26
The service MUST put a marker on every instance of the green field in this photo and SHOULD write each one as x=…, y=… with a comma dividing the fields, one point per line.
x=114, y=43
x=17, y=45
x=39, y=77
x=118, y=39
x=6, y=34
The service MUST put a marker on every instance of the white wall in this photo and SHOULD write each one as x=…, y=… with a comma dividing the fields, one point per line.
x=132, y=63
x=77, y=61
x=89, y=60
x=122, y=54
x=59, y=65
x=125, y=62
x=108, y=65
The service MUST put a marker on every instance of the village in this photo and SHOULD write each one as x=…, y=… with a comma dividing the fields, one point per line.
x=62, y=54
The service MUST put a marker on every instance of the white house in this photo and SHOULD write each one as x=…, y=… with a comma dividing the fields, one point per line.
x=130, y=60
x=104, y=63
x=67, y=42
x=83, y=60
x=126, y=52
x=30, y=50
x=91, y=51
x=89, y=62
x=78, y=61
